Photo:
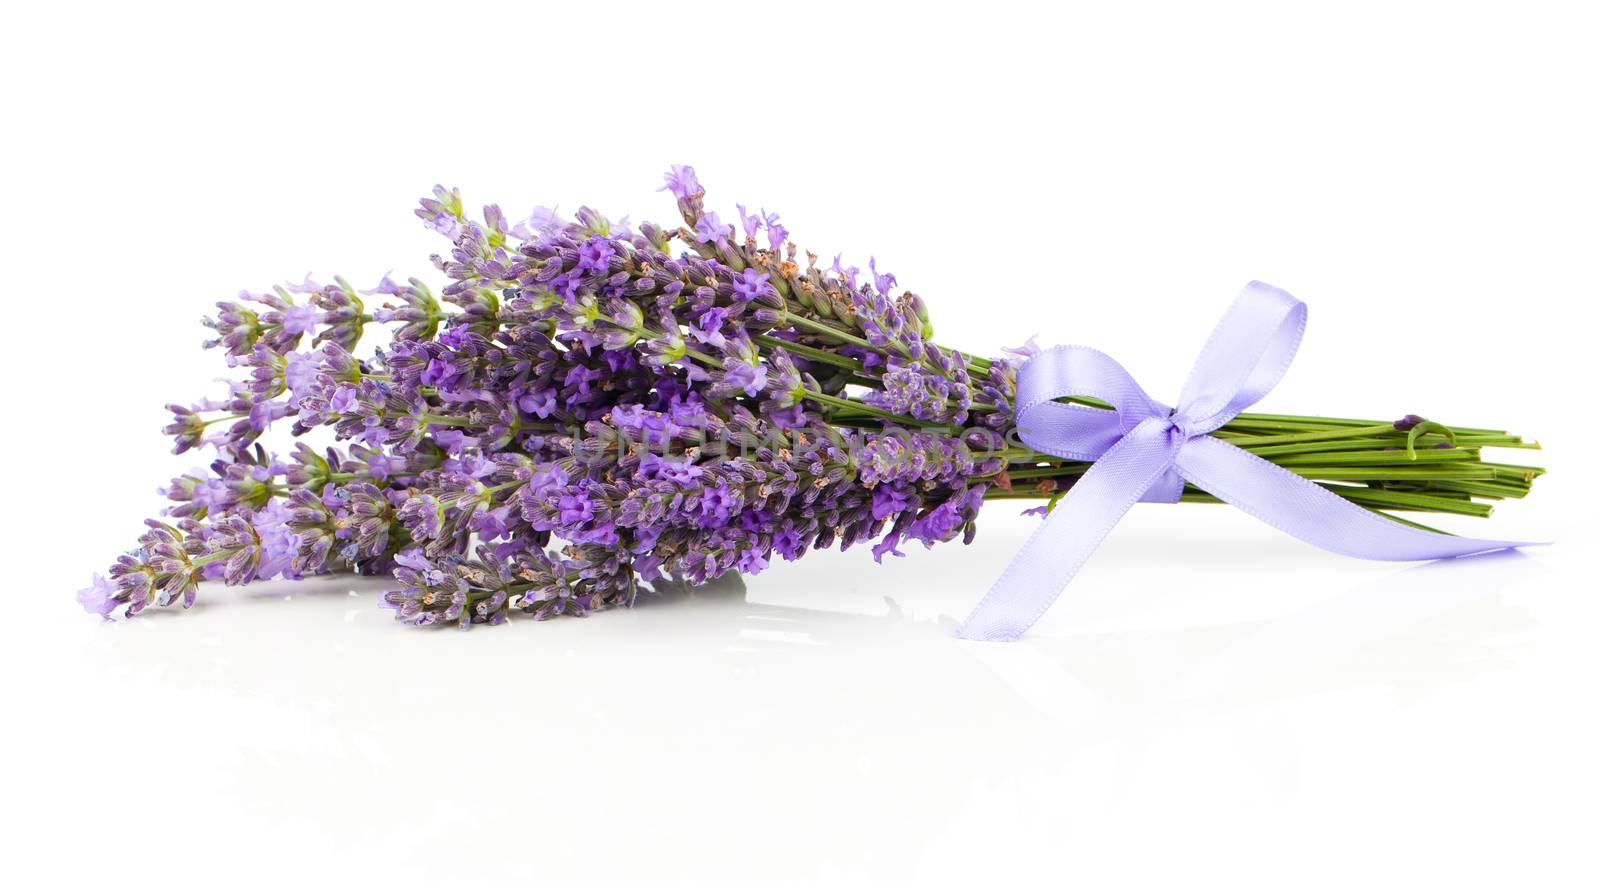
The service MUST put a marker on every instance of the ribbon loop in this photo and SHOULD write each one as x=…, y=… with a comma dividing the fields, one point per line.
x=1075, y=431
x=1247, y=353
x=1145, y=451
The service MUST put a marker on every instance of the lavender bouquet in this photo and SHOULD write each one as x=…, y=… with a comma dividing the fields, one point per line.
x=587, y=408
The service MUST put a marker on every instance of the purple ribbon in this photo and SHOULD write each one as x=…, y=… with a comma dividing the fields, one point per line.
x=1144, y=451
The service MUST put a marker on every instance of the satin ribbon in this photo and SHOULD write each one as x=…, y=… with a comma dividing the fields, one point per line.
x=1144, y=451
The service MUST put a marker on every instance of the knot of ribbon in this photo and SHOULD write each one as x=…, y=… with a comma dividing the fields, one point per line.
x=1146, y=451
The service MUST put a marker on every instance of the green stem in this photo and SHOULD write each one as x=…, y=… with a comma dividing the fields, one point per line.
x=810, y=352
x=878, y=412
x=1333, y=434
x=458, y=421
x=837, y=333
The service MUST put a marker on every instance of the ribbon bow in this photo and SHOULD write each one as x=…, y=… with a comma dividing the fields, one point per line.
x=1144, y=451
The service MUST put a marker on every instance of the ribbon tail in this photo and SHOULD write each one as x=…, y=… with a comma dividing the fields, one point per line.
x=1292, y=504
x=1081, y=520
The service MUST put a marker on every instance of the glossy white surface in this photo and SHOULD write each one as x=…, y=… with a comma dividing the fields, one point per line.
x=1209, y=698
x=1208, y=693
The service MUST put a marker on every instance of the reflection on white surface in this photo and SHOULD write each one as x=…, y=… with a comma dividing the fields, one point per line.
x=817, y=722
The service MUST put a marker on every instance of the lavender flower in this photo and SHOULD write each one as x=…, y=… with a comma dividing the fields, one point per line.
x=583, y=407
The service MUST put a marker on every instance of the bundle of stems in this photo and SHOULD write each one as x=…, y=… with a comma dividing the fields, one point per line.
x=1411, y=464
x=1377, y=465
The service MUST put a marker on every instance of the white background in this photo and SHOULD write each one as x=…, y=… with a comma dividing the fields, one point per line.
x=1209, y=697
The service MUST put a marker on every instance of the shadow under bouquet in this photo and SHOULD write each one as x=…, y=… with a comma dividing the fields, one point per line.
x=587, y=408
